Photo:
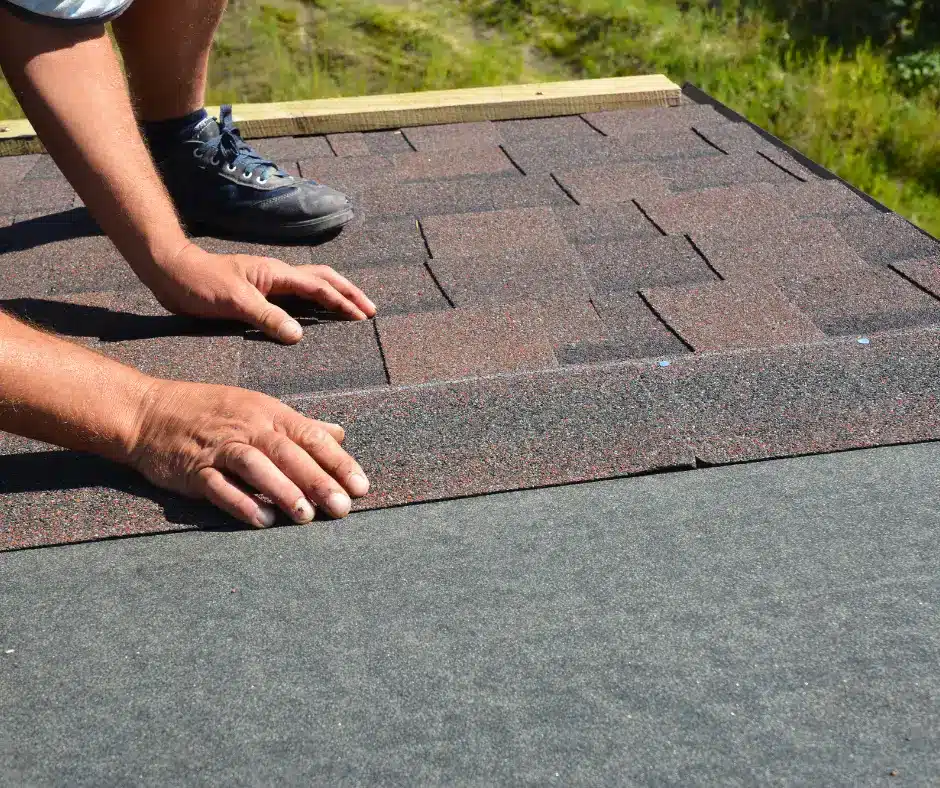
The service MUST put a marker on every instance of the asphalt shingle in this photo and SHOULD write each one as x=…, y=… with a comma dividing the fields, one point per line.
x=560, y=299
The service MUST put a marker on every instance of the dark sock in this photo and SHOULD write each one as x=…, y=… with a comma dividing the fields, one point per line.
x=162, y=135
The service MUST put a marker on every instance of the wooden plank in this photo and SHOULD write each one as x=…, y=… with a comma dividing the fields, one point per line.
x=17, y=137
x=370, y=113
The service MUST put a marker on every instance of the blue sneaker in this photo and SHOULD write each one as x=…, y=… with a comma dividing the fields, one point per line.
x=219, y=183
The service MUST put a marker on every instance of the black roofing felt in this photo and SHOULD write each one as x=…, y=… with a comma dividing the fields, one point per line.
x=560, y=300
x=758, y=624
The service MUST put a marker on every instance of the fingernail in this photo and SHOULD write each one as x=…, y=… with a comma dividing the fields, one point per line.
x=357, y=484
x=338, y=504
x=266, y=516
x=303, y=511
x=290, y=331
x=369, y=302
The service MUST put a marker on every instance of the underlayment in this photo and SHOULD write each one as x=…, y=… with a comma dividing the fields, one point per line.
x=560, y=299
x=764, y=624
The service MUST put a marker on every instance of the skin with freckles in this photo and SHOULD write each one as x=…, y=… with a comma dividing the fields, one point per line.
x=207, y=441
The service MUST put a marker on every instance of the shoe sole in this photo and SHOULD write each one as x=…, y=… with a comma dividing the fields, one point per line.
x=304, y=229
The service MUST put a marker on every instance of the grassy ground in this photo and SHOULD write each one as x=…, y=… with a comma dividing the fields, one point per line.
x=844, y=110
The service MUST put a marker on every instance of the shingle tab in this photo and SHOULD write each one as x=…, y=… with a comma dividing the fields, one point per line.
x=14, y=168
x=45, y=168
x=349, y=144
x=419, y=166
x=391, y=241
x=594, y=223
x=201, y=359
x=730, y=137
x=862, y=298
x=291, y=148
x=386, y=143
x=468, y=235
x=634, y=331
x=825, y=199
x=822, y=397
x=293, y=253
x=733, y=210
x=628, y=122
x=342, y=355
x=729, y=314
x=37, y=195
x=925, y=273
x=769, y=253
x=505, y=277
x=454, y=136
x=636, y=264
x=400, y=289
x=461, y=343
x=605, y=185
x=506, y=432
x=460, y=195
x=80, y=498
x=886, y=238
x=572, y=131
x=705, y=172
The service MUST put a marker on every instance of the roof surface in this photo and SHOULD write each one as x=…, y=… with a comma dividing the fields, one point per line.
x=763, y=624
x=560, y=300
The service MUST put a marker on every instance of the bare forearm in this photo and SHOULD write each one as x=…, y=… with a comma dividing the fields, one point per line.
x=70, y=84
x=61, y=393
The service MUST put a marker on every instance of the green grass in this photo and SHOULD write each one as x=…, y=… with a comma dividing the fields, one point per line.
x=847, y=111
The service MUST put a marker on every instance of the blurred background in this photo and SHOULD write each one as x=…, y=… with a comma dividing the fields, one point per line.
x=854, y=84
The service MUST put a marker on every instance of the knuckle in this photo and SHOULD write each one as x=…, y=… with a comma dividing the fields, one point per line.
x=315, y=439
x=237, y=455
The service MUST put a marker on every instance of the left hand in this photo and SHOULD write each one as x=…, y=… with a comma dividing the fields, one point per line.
x=236, y=287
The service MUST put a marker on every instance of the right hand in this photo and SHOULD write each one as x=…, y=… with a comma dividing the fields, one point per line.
x=213, y=442
x=237, y=287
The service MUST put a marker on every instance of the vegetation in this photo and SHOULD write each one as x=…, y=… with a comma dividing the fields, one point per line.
x=855, y=84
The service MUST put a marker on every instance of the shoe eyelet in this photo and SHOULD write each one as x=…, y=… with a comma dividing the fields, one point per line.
x=214, y=161
x=246, y=176
x=230, y=168
x=261, y=181
x=197, y=153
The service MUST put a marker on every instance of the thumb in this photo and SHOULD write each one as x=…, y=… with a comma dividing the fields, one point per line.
x=254, y=308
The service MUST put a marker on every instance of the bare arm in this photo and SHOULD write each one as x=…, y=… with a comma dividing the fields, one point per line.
x=199, y=440
x=69, y=83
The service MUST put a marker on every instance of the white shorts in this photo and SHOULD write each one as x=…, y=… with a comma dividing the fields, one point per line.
x=70, y=11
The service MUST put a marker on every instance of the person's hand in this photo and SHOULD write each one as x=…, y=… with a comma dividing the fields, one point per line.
x=223, y=443
x=236, y=287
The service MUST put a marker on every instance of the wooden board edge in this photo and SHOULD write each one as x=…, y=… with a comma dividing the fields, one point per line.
x=372, y=113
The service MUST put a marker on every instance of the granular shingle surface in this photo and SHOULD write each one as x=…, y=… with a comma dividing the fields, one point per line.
x=727, y=315
x=560, y=299
x=461, y=343
x=925, y=273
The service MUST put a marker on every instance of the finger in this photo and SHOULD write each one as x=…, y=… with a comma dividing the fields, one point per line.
x=260, y=472
x=301, y=281
x=222, y=493
x=255, y=309
x=329, y=455
x=348, y=289
x=329, y=490
x=338, y=433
